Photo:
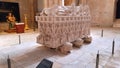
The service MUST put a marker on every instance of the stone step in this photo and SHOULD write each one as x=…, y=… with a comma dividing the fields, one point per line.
x=116, y=25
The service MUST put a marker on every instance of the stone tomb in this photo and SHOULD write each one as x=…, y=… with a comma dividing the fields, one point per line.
x=63, y=24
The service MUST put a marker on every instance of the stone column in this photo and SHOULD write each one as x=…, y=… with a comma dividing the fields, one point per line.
x=77, y=2
x=51, y=3
x=84, y=2
x=60, y=2
x=46, y=4
x=55, y=2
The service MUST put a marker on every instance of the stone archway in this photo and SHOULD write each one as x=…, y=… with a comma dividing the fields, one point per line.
x=118, y=9
x=116, y=19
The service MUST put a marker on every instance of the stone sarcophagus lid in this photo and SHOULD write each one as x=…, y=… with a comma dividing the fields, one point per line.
x=62, y=24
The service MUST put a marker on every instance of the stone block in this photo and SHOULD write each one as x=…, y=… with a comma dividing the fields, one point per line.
x=66, y=48
x=87, y=39
x=78, y=42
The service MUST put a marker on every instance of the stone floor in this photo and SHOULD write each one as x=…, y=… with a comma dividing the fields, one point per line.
x=28, y=54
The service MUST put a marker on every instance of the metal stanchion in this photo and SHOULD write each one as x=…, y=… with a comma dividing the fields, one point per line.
x=8, y=62
x=102, y=33
x=113, y=46
x=19, y=39
x=97, y=60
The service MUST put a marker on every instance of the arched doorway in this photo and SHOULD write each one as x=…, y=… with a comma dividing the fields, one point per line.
x=118, y=9
x=116, y=17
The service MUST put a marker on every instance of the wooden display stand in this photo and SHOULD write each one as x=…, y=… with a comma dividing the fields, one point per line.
x=20, y=27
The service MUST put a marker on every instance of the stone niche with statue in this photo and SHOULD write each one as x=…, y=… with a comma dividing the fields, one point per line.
x=64, y=26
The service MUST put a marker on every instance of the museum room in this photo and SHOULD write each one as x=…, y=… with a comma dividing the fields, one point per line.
x=59, y=33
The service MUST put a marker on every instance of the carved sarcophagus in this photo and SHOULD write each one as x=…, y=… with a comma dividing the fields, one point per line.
x=55, y=30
